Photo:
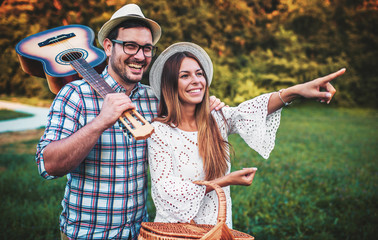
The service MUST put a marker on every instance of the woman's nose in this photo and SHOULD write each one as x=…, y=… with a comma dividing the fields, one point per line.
x=195, y=79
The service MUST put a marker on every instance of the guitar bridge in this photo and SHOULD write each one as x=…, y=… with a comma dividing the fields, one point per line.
x=56, y=39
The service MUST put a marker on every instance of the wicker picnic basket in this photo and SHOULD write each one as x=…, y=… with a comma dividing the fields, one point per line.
x=175, y=231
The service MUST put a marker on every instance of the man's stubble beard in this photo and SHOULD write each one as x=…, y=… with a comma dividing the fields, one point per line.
x=119, y=69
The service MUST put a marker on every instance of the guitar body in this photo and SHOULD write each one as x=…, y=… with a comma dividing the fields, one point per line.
x=48, y=54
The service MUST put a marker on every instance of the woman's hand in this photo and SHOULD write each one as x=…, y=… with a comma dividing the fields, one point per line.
x=320, y=88
x=242, y=177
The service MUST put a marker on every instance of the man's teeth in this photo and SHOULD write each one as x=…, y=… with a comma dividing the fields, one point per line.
x=135, y=66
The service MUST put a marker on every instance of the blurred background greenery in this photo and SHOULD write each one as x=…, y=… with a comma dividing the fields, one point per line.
x=256, y=45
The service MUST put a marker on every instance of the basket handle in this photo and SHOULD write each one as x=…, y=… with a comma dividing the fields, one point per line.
x=222, y=203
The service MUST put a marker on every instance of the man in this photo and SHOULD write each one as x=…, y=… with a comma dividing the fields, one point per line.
x=105, y=195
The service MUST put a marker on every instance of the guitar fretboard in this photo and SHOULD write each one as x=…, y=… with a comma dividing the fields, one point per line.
x=91, y=76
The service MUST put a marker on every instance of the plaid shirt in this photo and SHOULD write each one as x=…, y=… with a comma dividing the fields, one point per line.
x=105, y=196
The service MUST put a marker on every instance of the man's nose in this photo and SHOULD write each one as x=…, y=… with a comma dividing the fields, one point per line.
x=139, y=54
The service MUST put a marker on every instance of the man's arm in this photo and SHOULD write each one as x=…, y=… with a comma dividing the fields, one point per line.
x=64, y=155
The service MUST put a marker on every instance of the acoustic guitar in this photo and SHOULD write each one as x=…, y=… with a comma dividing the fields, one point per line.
x=65, y=53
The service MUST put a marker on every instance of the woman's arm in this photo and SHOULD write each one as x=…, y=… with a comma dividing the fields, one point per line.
x=320, y=88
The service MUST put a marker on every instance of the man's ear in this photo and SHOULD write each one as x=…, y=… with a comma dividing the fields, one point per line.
x=108, y=45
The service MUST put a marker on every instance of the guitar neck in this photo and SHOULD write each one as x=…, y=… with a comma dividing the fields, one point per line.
x=139, y=127
x=92, y=77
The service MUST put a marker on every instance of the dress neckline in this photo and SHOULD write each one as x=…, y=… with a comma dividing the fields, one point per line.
x=186, y=131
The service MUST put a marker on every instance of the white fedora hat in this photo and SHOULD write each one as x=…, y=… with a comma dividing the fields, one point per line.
x=157, y=68
x=129, y=11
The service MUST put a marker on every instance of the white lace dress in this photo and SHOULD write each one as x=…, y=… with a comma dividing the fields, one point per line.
x=175, y=162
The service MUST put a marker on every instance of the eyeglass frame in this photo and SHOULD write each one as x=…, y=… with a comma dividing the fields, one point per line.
x=154, y=48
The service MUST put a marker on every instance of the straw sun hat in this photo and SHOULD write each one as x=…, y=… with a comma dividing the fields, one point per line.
x=157, y=68
x=129, y=11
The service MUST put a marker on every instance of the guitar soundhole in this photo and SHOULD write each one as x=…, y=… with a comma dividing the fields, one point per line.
x=71, y=56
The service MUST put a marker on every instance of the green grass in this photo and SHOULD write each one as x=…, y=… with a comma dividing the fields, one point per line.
x=33, y=101
x=30, y=206
x=6, y=114
x=320, y=181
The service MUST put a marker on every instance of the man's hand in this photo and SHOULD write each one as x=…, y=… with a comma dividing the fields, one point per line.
x=114, y=105
x=215, y=103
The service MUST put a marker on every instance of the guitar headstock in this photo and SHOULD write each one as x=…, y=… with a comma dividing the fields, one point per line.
x=139, y=127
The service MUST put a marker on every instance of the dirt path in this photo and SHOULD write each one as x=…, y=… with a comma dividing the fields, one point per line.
x=20, y=124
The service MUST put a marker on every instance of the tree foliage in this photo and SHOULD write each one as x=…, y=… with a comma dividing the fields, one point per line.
x=256, y=45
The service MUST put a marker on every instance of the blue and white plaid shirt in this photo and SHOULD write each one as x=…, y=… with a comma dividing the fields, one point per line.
x=105, y=196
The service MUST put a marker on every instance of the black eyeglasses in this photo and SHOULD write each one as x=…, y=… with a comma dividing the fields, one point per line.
x=133, y=48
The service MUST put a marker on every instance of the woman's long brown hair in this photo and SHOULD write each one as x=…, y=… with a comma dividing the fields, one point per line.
x=213, y=149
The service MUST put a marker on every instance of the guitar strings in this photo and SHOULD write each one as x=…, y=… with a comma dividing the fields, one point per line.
x=73, y=56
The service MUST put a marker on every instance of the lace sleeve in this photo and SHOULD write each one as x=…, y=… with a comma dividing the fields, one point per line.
x=251, y=121
x=176, y=200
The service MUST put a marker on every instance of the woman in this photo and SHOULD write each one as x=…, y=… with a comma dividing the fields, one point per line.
x=190, y=143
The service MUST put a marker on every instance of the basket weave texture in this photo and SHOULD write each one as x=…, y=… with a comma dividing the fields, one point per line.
x=175, y=231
